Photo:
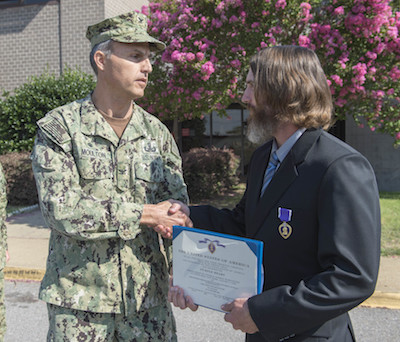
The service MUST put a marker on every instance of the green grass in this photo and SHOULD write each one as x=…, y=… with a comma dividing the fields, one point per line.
x=390, y=214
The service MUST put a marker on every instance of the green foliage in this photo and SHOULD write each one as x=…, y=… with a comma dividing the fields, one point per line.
x=209, y=171
x=31, y=101
x=210, y=42
x=21, y=187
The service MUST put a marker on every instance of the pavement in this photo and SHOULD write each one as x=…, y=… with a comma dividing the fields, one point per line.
x=28, y=238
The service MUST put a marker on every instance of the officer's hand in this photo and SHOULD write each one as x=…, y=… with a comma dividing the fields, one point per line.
x=166, y=232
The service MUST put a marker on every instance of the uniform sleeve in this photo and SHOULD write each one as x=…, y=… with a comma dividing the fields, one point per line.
x=66, y=207
x=348, y=252
x=3, y=214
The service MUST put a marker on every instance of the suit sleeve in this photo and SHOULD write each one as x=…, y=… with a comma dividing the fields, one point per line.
x=348, y=253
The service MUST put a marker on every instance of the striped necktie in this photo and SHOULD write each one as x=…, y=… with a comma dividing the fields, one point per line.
x=269, y=173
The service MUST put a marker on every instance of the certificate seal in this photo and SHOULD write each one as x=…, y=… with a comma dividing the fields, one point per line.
x=211, y=247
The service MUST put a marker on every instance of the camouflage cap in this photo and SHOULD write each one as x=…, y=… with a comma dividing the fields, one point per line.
x=125, y=28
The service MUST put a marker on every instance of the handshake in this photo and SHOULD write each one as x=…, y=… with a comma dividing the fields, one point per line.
x=162, y=216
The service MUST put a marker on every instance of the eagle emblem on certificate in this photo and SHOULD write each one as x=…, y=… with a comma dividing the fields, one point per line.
x=285, y=229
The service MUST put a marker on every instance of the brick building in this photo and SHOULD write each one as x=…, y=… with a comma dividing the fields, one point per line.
x=39, y=35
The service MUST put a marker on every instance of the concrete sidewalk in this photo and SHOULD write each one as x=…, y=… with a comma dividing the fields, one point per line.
x=28, y=247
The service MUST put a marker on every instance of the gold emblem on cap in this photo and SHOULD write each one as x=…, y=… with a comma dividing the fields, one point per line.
x=285, y=230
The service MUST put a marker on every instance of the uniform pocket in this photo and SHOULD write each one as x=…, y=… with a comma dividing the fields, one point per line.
x=150, y=171
x=92, y=169
x=148, y=176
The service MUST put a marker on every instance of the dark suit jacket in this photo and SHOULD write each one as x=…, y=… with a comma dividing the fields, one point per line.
x=329, y=263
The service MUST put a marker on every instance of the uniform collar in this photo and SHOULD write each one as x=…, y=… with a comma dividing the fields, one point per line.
x=93, y=123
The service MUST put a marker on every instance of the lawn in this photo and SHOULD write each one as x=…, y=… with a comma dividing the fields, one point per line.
x=390, y=212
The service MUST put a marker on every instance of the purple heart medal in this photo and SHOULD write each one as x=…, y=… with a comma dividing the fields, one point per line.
x=284, y=229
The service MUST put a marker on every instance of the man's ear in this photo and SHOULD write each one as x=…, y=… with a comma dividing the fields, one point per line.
x=100, y=59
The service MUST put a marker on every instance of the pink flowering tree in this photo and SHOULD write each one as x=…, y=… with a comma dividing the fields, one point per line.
x=210, y=42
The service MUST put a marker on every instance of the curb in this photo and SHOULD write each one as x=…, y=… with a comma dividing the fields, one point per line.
x=23, y=274
x=23, y=210
x=377, y=300
x=383, y=300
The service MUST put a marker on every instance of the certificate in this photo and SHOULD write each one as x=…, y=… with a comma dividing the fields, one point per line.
x=215, y=269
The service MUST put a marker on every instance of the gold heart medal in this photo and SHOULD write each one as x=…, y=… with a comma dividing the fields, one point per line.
x=284, y=229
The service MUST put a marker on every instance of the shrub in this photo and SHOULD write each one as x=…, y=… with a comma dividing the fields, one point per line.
x=21, y=187
x=31, y=101
x=209, y=171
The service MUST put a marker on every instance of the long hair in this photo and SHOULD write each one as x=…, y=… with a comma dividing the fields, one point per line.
x=291, y=82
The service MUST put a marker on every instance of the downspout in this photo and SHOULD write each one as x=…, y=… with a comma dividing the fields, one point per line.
x=59, y=37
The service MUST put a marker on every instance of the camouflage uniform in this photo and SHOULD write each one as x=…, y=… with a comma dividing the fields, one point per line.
x=3, y=248
x=92, y=187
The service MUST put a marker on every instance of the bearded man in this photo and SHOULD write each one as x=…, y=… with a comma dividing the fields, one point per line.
x=312, y=200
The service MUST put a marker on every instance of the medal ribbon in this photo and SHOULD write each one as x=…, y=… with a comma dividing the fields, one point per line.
x=284, y=214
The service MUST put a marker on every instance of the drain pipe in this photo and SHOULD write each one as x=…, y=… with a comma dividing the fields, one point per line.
x=59, y=37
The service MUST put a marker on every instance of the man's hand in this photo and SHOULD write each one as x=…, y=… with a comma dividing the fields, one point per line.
x=239, y=316
x=176, y=208
x=161, y=218
x=176, y=296
x=178, y=205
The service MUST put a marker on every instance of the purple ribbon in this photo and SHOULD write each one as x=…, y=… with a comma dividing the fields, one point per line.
x=284, y=214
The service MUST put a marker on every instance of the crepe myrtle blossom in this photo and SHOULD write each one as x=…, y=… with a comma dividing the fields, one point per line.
x=209, y=44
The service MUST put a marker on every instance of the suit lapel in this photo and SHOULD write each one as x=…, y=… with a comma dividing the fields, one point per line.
x=284, y=177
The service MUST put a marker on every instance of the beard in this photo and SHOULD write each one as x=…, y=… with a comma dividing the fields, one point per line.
x=261, y=125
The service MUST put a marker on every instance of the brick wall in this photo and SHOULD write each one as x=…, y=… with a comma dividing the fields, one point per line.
x=115, y=7
x=28, y=43
x=34, y=39
x=378, y=149
x=76, y=15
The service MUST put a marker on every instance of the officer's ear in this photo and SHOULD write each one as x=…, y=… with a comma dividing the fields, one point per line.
x=100, y=58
